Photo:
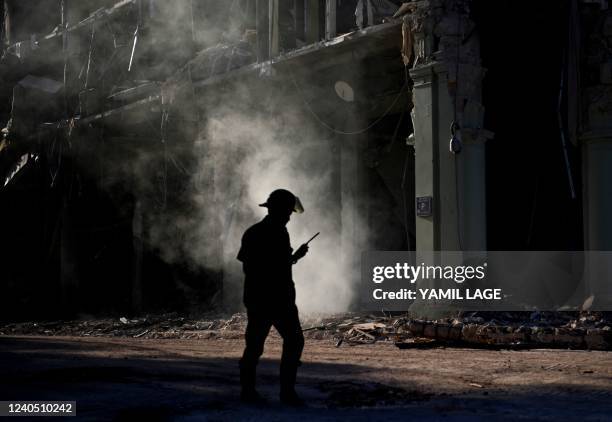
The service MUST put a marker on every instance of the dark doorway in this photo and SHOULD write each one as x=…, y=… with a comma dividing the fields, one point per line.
x=529, y=199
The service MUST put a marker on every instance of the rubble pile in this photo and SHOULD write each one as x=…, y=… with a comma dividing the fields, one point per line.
x=587, y=330
x=151, y=326
x=356, y=329
x=520, y=330
x=477, y=329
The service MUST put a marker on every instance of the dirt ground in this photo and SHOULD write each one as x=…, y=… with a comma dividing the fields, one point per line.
x=197, y=379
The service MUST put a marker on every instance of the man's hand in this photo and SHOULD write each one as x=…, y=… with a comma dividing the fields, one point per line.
x=300, y=253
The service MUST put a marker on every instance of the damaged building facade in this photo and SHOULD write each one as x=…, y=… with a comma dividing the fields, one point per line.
x=141, y=135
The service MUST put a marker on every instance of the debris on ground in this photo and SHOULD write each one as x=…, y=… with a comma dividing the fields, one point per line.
x=151, y=326
x=506, y=329
x=586, y=330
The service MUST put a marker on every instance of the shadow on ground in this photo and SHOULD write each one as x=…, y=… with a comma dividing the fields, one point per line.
x=160, y=385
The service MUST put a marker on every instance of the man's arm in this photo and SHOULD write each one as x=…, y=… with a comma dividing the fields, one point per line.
x=299, y=254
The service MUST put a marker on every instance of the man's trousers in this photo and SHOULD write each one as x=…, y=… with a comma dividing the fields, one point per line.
x=287, y=324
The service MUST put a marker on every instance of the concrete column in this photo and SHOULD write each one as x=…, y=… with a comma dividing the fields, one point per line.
x=312, y=21
x=263, y=29
x=330, y=19
x=6, y=10
x=597, y=203
x=472, y=187
x=597, y=179
x=448, y=162
x=447, y=92
x=273, y=13
x=595, y=126
x=454, y=182
x=425, y=157
x=450, y=186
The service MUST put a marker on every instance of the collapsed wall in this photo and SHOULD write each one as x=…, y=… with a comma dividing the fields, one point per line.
x=140, y=161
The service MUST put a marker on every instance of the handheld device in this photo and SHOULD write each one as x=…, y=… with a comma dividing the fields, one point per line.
x=312, y=238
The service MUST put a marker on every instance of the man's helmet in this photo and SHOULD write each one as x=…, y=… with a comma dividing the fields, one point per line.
x=283, y=199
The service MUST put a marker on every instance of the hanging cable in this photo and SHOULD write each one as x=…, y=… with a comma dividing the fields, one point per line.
x=136, y=33
x=133, y=48
x=91, y=46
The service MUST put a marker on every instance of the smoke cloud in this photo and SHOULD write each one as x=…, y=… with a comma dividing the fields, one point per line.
x=278, y=146
x=254, y=136
x=252, y=140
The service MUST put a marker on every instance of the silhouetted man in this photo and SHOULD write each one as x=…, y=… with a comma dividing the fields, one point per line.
x=269, y=295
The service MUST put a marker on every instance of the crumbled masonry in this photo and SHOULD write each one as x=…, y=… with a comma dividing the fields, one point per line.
x=521, y=330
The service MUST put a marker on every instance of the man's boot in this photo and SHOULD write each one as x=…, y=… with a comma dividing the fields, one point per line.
x=288, y=395
x=248, y=393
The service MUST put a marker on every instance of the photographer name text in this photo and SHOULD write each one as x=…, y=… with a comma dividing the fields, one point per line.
x=438, y=294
